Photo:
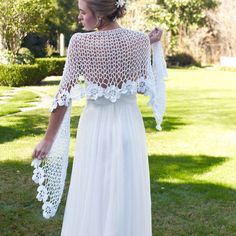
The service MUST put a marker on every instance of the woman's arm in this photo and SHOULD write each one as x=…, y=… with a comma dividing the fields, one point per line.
x=44, y=146
x=155, y=35
x=71, y=73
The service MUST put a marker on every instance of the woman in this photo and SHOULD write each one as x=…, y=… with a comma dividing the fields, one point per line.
x=109, y=193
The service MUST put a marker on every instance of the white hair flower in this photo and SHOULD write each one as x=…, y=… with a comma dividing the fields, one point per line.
x=120, y=3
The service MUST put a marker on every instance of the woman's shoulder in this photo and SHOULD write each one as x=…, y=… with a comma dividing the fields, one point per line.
x=138, y=38
x=121, y=30
x=76, y=36
x=136, y=32
x=134, y=37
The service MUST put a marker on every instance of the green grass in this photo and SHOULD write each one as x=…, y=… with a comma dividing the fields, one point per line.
x=4, y=89
x=15, y=102
x=192, y=161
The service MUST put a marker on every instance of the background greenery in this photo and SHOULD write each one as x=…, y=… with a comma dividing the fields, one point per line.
x=192, y=161
x=38, y=24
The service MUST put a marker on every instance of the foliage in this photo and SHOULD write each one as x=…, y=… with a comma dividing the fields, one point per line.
x=18, y=18
x=64, y=16
x=51, y=50
x=62, y=19
x=23, y=56
x=36, y=43
x=227, y=68
x=136, y=16
x=21, y=75
x=181, y=59
x=177, y=14
x=54, y=66
x=222, y=24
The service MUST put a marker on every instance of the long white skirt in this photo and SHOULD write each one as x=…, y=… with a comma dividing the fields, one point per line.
x=109, y=193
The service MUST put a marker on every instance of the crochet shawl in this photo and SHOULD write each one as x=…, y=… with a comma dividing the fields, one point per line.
x=99, y=64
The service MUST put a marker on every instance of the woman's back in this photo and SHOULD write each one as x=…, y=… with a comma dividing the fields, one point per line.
x=111, y=57
x=110, y=62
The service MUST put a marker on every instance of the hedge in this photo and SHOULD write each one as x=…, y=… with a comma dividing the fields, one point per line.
x=227, y=68
x=22, y=75
x=181, y=59
x=54, y=66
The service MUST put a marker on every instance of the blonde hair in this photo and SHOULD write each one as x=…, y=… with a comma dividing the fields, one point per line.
x=106, y=8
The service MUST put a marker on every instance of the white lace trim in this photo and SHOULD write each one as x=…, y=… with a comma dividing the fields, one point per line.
x=94, y=91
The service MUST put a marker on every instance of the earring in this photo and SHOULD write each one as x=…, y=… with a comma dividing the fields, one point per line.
x=100, y=21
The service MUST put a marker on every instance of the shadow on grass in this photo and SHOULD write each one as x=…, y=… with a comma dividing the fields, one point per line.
x=35, y=123
x=177, y=208
x=198, y=208
x=190, y=207
x=22, y=125
x=181, y=166
x=29, y=124
x=169, y=123
x=20, y=210
x=50, y=81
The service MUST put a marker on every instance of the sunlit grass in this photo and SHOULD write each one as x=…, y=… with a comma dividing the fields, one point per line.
x=192, y=161
x=13, y=103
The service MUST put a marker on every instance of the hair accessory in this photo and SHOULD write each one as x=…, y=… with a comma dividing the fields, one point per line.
x=120, y=3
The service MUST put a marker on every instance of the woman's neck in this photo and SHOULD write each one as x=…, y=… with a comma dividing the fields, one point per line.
x=108, y=26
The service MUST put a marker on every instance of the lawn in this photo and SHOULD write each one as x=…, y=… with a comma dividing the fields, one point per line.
x=192, y=161
x=12, y=103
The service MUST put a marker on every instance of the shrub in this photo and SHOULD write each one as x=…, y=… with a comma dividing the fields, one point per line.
x=35, y=43
x=51, y=50
x=25, y=56
x=21, y=75
x=54, y=66
x=227, y=68
x=181, y=59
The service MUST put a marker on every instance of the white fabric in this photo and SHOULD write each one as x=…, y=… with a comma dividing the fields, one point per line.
x=109, y=193
x=120, y=67
x=159, y=73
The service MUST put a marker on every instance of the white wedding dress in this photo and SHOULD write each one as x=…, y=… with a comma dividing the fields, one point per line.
x=109, y=192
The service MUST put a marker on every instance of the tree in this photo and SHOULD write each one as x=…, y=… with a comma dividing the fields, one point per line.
x=18, y=18
x=223, y=24
x=62, y=19
x=136, y=17
x=177, y=15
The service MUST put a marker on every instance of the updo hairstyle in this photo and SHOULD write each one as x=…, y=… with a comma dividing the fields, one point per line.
x=106, y=8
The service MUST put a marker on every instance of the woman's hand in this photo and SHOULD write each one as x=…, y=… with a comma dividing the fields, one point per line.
x=44, y=146
x=155, y=35
x=42, y=149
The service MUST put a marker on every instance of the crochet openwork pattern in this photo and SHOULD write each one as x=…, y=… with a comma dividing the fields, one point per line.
x=99, y=64
x=105, y=63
